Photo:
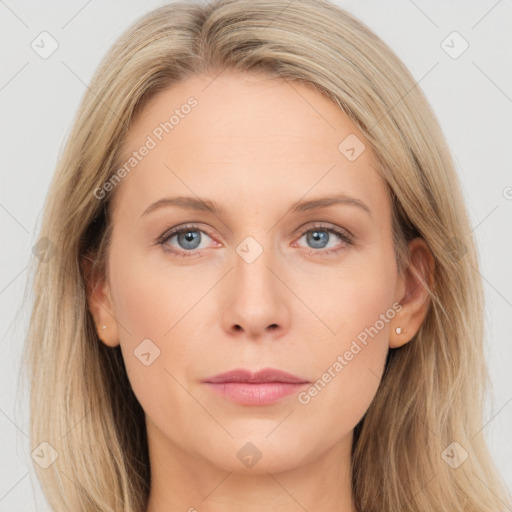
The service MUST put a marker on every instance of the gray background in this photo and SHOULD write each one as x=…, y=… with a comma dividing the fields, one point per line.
x=470, y=94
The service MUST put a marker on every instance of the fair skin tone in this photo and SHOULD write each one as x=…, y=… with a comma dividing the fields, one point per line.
x=253, y=146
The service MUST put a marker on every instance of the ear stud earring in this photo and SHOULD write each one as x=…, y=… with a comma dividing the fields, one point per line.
x=103, y=327
x=399, y=330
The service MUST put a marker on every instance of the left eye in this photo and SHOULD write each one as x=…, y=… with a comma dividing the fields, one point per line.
x=188, y=239
x=319, y=237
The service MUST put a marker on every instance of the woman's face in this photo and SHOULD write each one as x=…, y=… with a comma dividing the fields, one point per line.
x=263, y=281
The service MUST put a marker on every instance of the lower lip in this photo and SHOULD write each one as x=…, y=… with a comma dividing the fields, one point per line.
x=263, y=393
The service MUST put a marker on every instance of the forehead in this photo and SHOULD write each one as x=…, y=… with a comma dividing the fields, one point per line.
x=240, y=135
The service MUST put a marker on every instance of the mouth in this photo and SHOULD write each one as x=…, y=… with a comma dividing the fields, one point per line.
x=261, y=388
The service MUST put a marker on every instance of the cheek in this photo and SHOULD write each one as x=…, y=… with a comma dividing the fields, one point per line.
x=348, y=362
x=351, y=298
x=149, y=298
x=151, y=307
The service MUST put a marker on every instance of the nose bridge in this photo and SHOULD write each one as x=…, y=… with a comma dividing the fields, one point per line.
x=252, y=276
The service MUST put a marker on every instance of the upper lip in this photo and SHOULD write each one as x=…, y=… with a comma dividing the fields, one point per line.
x=265, y=375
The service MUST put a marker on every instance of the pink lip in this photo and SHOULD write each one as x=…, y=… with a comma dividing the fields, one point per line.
x=260, y=388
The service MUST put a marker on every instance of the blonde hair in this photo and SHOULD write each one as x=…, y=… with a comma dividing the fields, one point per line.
x=433, y=387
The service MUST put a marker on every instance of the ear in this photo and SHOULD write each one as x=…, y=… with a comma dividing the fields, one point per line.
x=100, y=304
x=413, y=295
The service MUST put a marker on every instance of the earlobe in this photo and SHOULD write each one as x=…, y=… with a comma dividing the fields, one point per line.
x=100, y=305
x=399, y=337
x=110, y=338
x=418, y=281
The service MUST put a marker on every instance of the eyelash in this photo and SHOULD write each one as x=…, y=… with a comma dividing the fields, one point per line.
x=345, y=236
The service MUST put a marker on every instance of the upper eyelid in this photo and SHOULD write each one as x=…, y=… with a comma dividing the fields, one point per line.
x=178, y=229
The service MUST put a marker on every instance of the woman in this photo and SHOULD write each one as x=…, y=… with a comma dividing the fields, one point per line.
x=263, y=292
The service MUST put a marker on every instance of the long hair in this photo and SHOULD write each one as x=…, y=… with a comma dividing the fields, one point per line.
x=427, y=411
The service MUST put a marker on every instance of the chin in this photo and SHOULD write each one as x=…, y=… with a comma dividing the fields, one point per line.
x=257, y=455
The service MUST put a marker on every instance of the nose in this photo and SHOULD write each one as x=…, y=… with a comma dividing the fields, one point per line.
x=256, y=305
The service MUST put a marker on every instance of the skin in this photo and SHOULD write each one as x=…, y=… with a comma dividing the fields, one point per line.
x=254, y=146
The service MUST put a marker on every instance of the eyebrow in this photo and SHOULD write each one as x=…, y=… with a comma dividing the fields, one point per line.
x=205, y=205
